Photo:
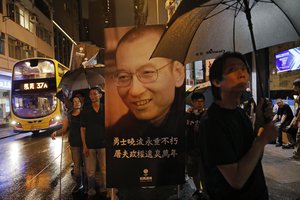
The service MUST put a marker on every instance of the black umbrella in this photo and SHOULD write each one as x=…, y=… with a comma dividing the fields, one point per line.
x=83, y=78
x=202, y=29
x=60, y=95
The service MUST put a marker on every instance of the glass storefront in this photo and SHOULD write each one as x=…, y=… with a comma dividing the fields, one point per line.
x=5, y=88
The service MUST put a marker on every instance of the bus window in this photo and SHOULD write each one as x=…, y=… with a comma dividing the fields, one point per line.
x=26, y=70
x=34, y=105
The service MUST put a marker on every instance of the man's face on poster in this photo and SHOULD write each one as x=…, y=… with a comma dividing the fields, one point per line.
x=149, y=85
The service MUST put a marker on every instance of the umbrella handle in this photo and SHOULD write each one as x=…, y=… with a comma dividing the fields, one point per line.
x=250, y=25
x=264, y=106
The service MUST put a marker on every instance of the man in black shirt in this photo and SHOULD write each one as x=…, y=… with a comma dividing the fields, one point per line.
x=230, y=149
x=93, y=140
x=194, y=115
x=283, y=118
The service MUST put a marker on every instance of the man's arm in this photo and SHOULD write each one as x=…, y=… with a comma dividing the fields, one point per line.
x=275, y=118
x=82, y=133
x=298, y=117
x=237, y=174
x=283, y=118
x=294, y=121
x=64, y=128
x=65, y=124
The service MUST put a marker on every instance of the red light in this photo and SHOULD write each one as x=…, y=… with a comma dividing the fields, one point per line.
x=18, y=125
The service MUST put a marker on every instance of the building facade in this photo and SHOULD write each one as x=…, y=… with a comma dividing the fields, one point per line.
x=66, y=15
x=26, y=31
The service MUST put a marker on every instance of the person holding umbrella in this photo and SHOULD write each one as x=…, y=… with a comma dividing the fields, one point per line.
x=230, y=148
x=92, y=135
x=71, y=122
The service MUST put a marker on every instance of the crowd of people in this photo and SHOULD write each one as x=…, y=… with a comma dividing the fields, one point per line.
x=224, y=143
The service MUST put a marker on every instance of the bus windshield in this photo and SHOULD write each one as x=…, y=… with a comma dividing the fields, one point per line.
x=34, y=105
x=34, y=69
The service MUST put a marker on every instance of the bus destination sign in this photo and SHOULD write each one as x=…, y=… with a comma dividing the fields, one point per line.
x=34, y=86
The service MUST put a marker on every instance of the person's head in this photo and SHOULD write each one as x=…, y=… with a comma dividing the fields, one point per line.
x=146, y=86
x=80, y=95
x=95, y=94
x=296, y=85
x=76, y=102
x=279, y=103
x=229, y=73
x=198, y=100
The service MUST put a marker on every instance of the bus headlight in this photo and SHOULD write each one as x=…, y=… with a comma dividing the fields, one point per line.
x=55, y=121
x=16, y=124
x=57, y=118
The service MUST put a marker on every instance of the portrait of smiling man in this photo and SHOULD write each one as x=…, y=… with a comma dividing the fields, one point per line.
x=147, y=86
x=153, y=91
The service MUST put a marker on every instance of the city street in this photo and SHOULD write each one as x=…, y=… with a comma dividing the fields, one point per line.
x=30, y=166
x=30, y=169
x=282, y=173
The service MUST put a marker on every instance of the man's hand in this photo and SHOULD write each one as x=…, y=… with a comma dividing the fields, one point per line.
x=269, y=133
x=190, y=110
x=53, y=136
x=287, y=127
x=264, y=112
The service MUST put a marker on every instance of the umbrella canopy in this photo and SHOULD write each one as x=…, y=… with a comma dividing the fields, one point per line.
x=205, y=29
x=60, y=95
x=83, y=78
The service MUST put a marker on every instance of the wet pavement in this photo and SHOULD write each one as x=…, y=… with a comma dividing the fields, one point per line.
x=30, y=165
x=46, y=182
x=6, y=131
x=282, y=173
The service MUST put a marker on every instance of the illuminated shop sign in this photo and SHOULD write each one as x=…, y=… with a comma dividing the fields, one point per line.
x=34, y=86
x=288, y=60
x=5, y=84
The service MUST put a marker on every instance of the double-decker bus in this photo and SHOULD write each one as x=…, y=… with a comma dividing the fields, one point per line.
x=35, y=106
